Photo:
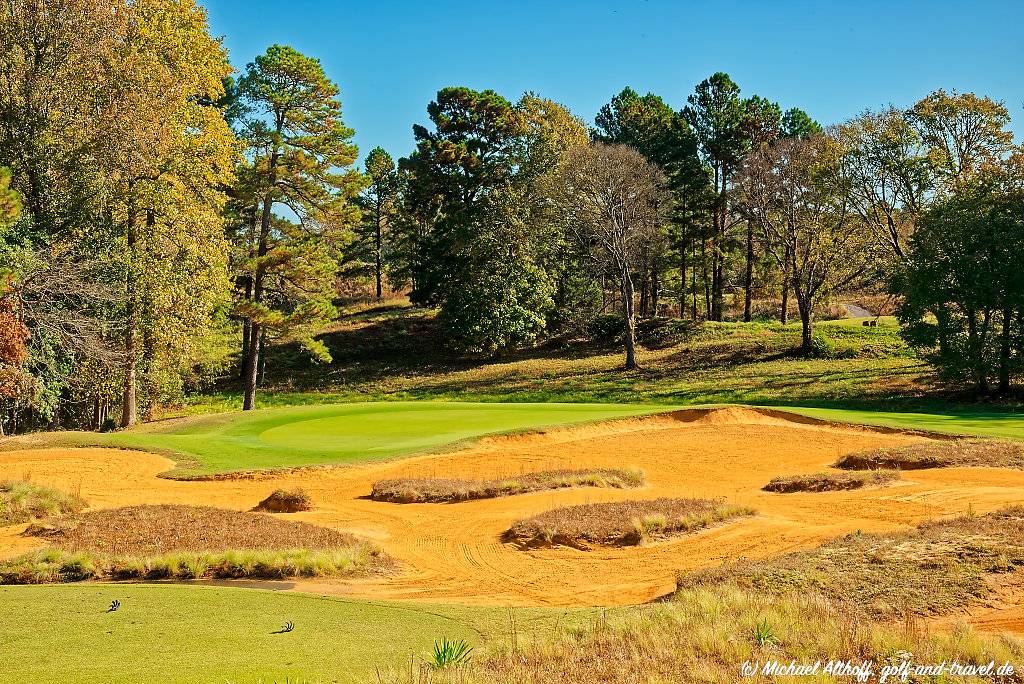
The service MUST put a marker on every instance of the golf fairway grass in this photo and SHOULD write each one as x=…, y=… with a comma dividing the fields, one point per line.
x=174, y=634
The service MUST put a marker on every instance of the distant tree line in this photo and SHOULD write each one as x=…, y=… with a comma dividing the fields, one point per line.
x=163, y=222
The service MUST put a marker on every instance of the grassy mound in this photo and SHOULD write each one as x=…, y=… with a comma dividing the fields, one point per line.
x=23, y=502
x=620, y=523
x=445, y=490
x=936, y=568
x=831, y=482
x=282, y=501
x=958, y=453
x=186, y=542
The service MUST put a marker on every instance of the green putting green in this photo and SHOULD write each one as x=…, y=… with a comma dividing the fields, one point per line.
x=363, y=432
x=336, y=433
x=175, y=634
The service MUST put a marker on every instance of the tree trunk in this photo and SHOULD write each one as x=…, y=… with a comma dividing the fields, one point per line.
x=246, y=327
x=717, y=234
x=807, y=321
x=747, y=303
x=784, y=316
x=378, y=249
x=707, y=281
x=129, y=405
x=655, y=291
x=645, y=303
x=262, y=373
x=630, y=319
x=256, y=329
x=252, y=367
x=693, y=282
x=682, y=280
x=977, y=352
x=1004, y=350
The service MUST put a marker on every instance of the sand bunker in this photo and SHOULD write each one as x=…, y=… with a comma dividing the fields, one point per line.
x=455, y=553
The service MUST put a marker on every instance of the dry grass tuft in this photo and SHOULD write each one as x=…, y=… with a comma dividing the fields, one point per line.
x=142, y=530
x=934, y=569
x=23, y=502
x=957, y=453
x=620, y=523
x=282, y=501
x=831, y=482
x=187, y=542
x=833, y=603
x=446, y=491
x=704, y=636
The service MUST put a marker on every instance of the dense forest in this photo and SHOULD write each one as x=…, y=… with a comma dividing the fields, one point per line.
x=164, y=219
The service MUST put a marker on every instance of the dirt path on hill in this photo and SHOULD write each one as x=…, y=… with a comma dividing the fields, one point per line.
x=453, y=552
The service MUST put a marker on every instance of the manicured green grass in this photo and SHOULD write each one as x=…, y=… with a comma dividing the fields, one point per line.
x=964, y=421
x=173, y=634
x=330, y=433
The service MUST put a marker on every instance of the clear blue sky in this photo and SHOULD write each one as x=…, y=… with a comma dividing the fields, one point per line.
x=831, y=58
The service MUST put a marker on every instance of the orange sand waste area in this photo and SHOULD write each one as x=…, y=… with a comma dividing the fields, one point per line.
x=454, y=552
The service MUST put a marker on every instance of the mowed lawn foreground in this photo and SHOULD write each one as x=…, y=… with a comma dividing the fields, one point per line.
x=172, y=634
x=331, y=434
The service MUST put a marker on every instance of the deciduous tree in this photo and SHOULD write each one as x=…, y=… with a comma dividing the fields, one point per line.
x=615, y=202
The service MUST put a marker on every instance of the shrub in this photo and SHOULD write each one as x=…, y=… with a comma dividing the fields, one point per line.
x=606, y=329
x=281, y=501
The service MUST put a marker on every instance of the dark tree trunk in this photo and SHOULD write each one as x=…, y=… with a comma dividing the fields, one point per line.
x=693, y=282
x=682, y=279
x=261, y=377
x=252, y=365
x=645, y=302
x=630, y=319
x=977, y=344
x=807, y=321
x=707, y=281
x=655, y=291
x=246, y=329
x=784, y=316
x=1004, y=350
x=129, y=403
x=747, y=303
x=378, y=250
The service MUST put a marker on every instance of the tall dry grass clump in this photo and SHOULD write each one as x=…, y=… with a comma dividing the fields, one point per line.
x=285, y=501
x=22, y=501
x=831, y=482
x=187, y=542
x=412, y=490
x=705, y=636
x=939, y=567
x=954, y=453
x=859, y=598
x=621, y=523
